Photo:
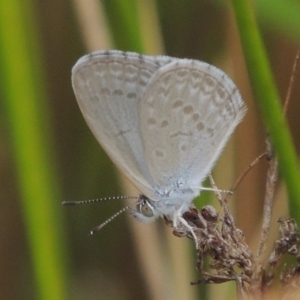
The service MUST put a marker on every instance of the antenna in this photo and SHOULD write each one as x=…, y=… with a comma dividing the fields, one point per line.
x=71, y=203
x=96, y=229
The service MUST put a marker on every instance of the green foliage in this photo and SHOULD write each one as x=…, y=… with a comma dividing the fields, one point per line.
x=26, y=111
x=268, y=101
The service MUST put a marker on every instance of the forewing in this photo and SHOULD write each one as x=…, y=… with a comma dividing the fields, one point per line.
x=187, y=114
x=108, y=86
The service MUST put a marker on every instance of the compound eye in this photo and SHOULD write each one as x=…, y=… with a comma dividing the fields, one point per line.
x=146, y=209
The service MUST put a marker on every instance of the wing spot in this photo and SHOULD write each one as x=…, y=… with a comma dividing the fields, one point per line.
x=116, y=67
x=182, y=73
x=103, y=74
x=188, y=109
x=229, y=109
x=144, y=77
x=177, y=104
x=117, y=92
x=152, y=121
x=166, y=79
x=211, y=132
x=150, y=102
x=200, y=126
x=131, y=96
x=131, y=74
x=163, y=91
x=183, y=147
x=196, y=75
x=180, y=133
x=122, y=132
x=106, y=91
x=145, y=73
x=159, y=153
x=143, y=82
x=164, y=123
x=129, y=69
x=221, y=93
x=195, y=117
x=196, y=80
x=210, y=81
x=131, y=78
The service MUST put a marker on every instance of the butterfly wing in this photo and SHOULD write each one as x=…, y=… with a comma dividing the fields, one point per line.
x=108, y=86
x=187, y=114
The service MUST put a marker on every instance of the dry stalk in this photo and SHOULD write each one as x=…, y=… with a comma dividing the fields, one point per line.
x=222, y=244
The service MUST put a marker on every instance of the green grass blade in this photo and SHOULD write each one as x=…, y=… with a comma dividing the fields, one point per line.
x=124, y=24
x=280, y=16
x=23, y=97
x=268, y=100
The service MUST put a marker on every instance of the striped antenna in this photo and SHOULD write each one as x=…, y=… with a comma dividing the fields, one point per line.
x=96, y=229
x=71, y=203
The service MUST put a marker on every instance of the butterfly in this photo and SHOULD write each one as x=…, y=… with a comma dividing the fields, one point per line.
x=163, y=121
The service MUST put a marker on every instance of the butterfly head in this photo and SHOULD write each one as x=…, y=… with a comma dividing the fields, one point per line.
x=145, y=210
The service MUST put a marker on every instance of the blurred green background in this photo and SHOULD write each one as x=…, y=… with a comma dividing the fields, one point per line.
x=48, y=154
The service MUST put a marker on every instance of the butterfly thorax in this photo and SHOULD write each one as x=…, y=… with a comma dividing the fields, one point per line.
x=170, y=203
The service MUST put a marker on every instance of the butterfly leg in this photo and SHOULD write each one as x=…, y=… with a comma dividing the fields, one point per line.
x=180, y=224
